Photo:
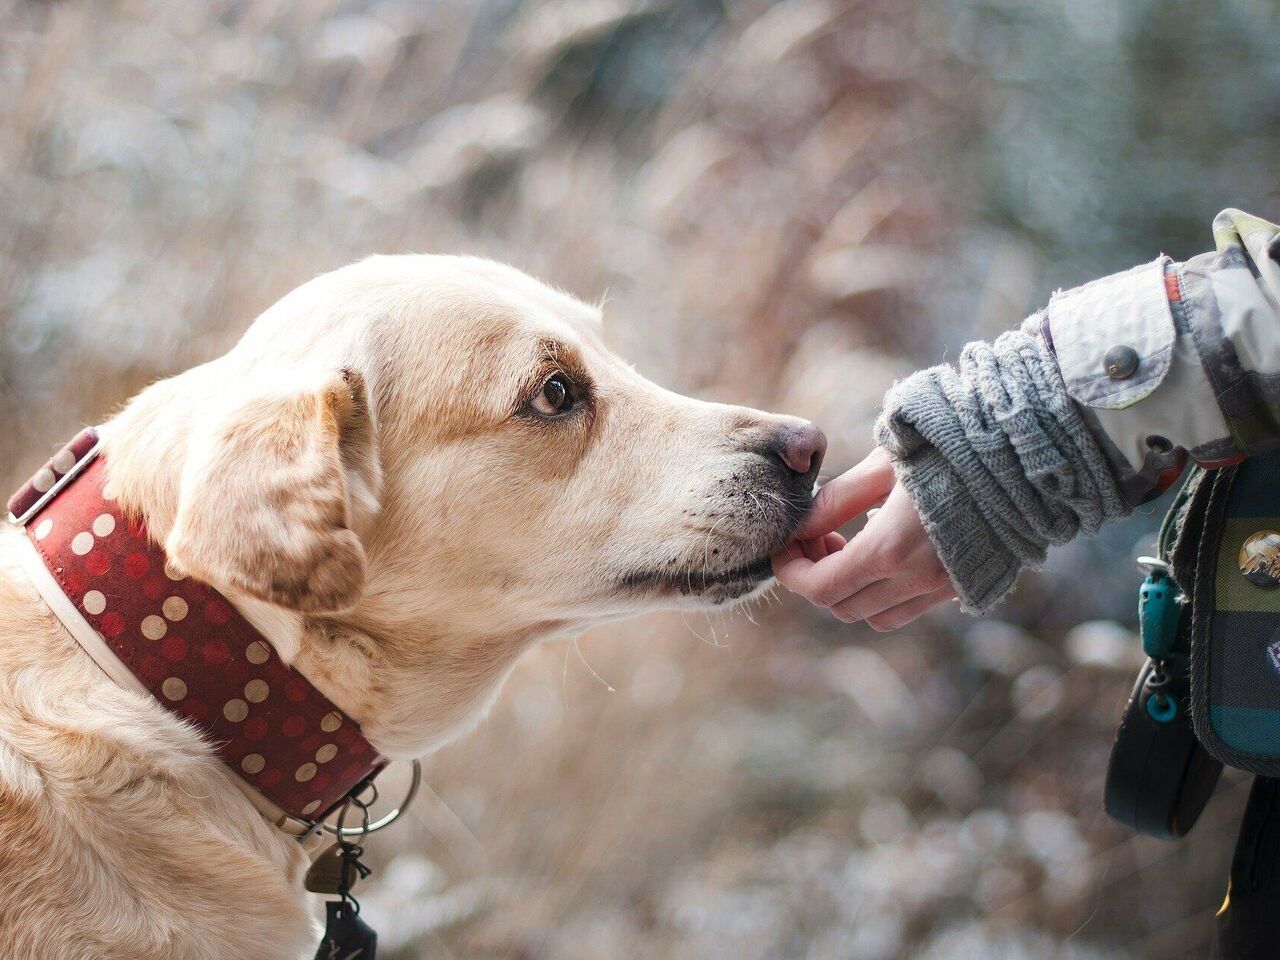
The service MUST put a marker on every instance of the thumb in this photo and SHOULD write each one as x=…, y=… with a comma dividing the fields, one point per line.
x=849, y=495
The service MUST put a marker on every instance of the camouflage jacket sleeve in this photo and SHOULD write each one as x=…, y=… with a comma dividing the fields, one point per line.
x=1171, y=361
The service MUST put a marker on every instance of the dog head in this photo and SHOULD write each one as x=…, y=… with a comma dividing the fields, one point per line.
x=423, y=464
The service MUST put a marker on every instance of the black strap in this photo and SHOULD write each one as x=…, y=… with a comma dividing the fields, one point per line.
x=1247, y=923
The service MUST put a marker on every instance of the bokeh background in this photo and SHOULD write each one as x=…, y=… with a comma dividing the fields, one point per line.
x=788, y=205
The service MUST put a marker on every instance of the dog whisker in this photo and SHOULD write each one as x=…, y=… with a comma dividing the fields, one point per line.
x=578, y=650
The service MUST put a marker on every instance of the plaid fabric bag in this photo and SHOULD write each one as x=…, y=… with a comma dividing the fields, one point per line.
x=1226, y=555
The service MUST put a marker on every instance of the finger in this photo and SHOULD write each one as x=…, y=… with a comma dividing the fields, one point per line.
x=905, y=613
x=821, y=547
x=793, y=563
x=877, y=598
x=790, y=562
x=848, y=495
x=892, y=546
x=831, y=579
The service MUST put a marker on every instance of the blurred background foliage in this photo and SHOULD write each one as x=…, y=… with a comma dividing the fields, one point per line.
x=787, y=205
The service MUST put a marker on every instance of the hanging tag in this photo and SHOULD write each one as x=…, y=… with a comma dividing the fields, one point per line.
x=326, y=874
x=346, y=936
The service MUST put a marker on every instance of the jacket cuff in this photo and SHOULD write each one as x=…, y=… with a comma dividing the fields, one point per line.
x=1114, y=337
x=1129, y=357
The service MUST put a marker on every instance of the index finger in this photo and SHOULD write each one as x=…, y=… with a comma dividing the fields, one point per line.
x=848, y=495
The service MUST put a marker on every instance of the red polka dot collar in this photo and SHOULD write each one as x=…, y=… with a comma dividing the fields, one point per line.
x=182, y=642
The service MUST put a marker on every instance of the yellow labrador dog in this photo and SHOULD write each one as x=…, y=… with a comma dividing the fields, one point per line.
x=406, y=473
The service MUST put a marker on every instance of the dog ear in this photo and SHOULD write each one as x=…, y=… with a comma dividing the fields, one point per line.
x=270, y=494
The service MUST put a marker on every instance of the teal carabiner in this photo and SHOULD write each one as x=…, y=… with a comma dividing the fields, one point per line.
x=1158, y=609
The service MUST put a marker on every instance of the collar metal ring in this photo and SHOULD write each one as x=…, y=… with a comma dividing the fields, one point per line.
x=348, y=833
x=345, y=833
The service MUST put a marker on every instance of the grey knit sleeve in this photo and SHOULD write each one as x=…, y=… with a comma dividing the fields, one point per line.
x=998, y=460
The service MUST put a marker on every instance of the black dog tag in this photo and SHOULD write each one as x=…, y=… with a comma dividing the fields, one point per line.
x=346, y=936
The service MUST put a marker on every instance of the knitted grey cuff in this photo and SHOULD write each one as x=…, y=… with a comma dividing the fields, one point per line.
x=998, y=460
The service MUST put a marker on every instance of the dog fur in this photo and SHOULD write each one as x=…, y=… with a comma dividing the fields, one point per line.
x=368, y=476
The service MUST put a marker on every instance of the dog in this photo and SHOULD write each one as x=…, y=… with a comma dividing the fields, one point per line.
x=406, y=473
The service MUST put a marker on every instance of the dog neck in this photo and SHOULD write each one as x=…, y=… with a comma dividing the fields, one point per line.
x=157, y=631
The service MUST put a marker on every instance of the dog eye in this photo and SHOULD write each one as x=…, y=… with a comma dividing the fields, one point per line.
x=555, y=397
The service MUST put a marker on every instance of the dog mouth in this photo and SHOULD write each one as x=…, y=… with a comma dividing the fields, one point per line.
x=721, y=585
x=730, y=568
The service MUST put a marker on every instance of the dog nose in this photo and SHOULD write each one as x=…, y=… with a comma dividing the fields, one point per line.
x=800, y=446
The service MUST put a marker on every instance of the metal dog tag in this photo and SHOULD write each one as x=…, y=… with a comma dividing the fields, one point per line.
x=325, y=875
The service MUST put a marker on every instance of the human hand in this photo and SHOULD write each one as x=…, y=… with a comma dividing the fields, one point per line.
x=888, y=574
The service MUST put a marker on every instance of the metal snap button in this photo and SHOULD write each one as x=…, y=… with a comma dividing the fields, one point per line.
x=1120, y=362
x=1260, y=558
x=1158, y=444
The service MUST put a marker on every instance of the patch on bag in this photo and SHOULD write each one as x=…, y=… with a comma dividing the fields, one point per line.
x=1260, y=558
x=1273, y=654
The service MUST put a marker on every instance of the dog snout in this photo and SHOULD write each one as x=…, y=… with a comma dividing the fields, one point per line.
x=800, y=446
